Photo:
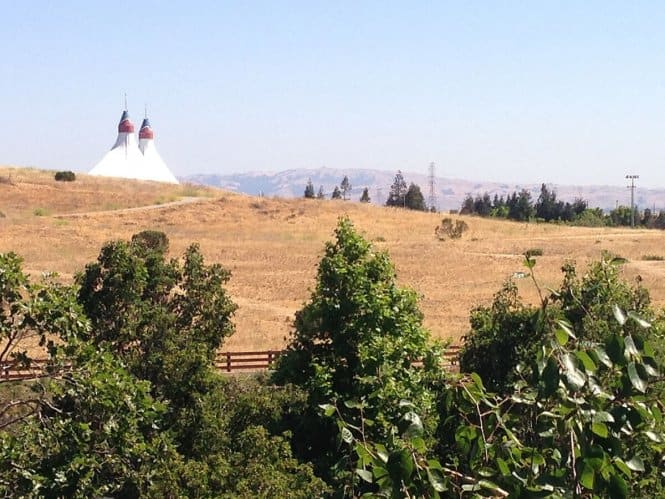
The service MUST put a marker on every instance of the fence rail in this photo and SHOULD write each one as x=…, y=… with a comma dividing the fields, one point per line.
x=226, y=362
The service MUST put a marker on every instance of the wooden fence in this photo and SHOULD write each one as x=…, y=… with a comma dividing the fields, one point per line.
x=226, y=362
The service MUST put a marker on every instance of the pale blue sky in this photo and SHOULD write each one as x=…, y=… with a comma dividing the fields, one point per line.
x=568, y=92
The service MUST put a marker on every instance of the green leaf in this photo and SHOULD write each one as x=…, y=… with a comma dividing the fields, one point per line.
x=328, y=409
x=503, y=467
x=631, y=350
x=635, y=464
x=400, y=465
x=602, y=356
x=615, y=349
x=618, y=488
x=619, y=463
x=587, y=361
x=561, y=337
x=638, y=383
x=600, y=429
x=603, y=417
x=436, y=479
x=352, y=404
x=476, y=379
x=587, y=477
x=347, y=436
x=551, y=377
x=618, y=314
x=567, y=328
x=486, y=484
x=643, y=323
x=381, y=452
x=654, y=437
x=574, y=376
x=365, y=475
x=414, y=426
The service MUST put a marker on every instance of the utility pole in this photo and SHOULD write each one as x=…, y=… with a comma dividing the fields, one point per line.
x=632, y=197
x=432, y=188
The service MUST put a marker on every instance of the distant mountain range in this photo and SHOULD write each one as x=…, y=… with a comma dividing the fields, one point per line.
x=450, y=192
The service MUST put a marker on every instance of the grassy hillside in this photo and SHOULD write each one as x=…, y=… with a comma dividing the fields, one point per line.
x=272, y=246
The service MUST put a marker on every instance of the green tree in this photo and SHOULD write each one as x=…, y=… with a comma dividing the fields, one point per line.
x=414, y=199
x=397, y=191
x=345, y=187
x=364, y=198
x=309, y=189
x=358, y=338
x=166, y=320
x=509, y=332
x=520, y=207
x=100, y=434
x=320, y=194
x=336, y=194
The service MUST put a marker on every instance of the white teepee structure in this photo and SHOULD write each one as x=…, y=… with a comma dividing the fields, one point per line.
x=126, y=160
x=153, y=164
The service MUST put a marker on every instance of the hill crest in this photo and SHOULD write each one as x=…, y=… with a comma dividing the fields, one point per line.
x=450, y=192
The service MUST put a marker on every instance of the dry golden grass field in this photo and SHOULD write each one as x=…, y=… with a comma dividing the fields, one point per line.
x=272, y=246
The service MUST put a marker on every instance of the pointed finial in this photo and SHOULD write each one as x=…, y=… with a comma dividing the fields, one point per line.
x=145, y=114
x=125, y=101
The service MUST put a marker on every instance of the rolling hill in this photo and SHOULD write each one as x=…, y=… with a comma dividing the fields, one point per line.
x=272, y=245
x=450, y=191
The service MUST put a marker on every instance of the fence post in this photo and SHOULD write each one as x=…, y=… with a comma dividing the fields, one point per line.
x=228, y=361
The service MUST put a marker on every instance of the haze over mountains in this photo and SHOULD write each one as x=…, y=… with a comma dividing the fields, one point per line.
x=450, y=192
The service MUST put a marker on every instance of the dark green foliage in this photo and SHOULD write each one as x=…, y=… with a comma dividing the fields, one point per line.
x=501, y=336
x=397, y=196
x=356, y=339
x=100, y=435
x=65, y=176
x=309, y=189
x=583, y=418
x=414, y=199
x=140, y=410
x=510, y=332
x=154, y=240
x=345, y=187
x=364, y=198
x=320, y=194
x=336, y=194
x=166, y=320
x=531, y=252
x=449, y=230
x=45, y=311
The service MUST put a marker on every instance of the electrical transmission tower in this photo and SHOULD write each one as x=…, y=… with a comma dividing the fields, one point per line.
x=632, y=197
x=379, y=196
x=432, y=189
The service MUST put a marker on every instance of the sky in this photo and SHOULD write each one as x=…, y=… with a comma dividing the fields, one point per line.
x=563, y=92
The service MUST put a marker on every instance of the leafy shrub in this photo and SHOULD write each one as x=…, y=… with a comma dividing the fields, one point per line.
x=65, y=176
x=509, y=332
x=449, y=230
x=533, y=252
x=98, y=436
x=41, y=212
x=583, y=418
x=356, y=339
x=653, y=258
x=154, y=240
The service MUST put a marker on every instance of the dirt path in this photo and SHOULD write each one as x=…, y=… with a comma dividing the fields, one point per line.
x=183, y=201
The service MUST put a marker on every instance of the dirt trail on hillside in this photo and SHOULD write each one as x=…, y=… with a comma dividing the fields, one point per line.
x=183, y=201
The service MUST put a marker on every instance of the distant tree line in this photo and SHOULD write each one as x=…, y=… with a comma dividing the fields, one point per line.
x=520, y=206
x=339, y=192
